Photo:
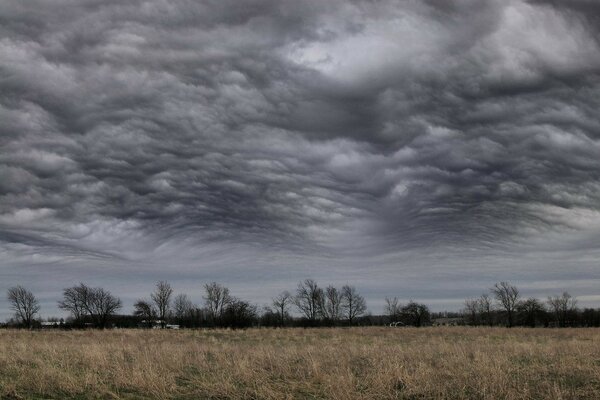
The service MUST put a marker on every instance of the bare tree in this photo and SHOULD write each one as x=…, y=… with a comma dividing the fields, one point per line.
x=507, y=297
x=74, y=300
x=471, y=311
x=353, y=304
x=24, y=304
x=238, y=314
x=309, y=299
x=182, y=307
x=102, y=306
x=281, y=303
x=415, y=314
x=531, y=310
x=392, y=308
x=485, y=308
x=146, y=311
x=97, y=303
x=217, y=297
x=162, y=300
x=332, y=304
x=562, y=307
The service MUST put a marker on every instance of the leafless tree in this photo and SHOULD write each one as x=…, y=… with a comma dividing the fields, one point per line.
x=353, y=304
x=74, y=300
x=182, y=307
x=392, y=308
x=146, y=311
x=309, y=299
x=281, y=303
x=485, y=308
x=238, y=314
x=162, y=300
x=24, y=304
x=562, y=307
x=530, y=310
x=415, y=314
x=471, y=311
x=332, y=304
x=99, y=304
x=102, y=306
x=507, y=297
x=216, y=298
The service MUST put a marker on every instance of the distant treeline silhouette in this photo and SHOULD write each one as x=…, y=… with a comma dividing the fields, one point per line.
x=95, y=307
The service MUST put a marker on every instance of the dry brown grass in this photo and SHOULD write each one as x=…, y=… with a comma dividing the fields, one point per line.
x=356, y=363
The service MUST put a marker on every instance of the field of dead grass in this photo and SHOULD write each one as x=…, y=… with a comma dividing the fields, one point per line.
x=354, y=363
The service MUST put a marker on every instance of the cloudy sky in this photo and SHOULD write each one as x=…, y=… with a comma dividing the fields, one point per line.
x=422, y=149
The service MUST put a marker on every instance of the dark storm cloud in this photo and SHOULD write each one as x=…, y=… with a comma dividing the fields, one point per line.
x=586, y=10
x=346, y=127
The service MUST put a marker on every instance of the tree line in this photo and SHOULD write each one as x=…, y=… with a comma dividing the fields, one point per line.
x=504, y=305
x=309, y=305
x=97, y=307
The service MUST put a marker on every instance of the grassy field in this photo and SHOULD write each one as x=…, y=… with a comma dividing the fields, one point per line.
x=356, y=363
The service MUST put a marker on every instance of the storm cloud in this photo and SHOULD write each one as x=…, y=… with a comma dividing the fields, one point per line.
x=422, y=149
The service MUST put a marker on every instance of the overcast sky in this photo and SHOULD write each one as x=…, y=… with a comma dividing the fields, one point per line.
x=420, y=149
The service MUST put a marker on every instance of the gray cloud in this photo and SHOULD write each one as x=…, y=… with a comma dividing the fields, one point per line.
x=301, y=138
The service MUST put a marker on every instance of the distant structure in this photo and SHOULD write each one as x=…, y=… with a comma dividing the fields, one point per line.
x=158, y=324
x=447, y=321
x=51, y=324
x=397, y=324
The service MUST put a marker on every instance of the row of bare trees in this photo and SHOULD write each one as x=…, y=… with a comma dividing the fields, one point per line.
x=316, y=305
x=220, y=308
x=83, y=302
x=504, y=304
x=330, y=304
x=95, y=306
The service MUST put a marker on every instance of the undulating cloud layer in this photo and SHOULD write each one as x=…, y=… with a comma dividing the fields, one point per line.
x=423, y=149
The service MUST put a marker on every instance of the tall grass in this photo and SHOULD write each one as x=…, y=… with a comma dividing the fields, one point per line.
x=355, y=363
